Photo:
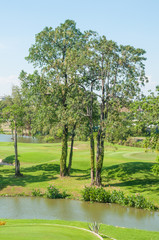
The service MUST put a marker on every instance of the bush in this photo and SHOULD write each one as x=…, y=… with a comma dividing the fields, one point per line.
x=36, y=193
x=94, y=194
x=131, y=201
x=86, y=193
x=102, y=195
x=54, y=193
x=117, y=197
x=49, y=139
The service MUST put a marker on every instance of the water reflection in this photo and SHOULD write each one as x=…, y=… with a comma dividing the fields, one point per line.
x=112, y=214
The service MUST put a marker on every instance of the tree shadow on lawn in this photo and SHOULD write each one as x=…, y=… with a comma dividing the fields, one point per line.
x=9, y=159
x=11, y=180
x=55, y=168
x=81, y=177
x=44, y=173
x=139, y=185
x=126, y=171
x=79, y=174
x=47, y=167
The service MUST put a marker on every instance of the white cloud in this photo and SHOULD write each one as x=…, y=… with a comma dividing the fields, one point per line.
x=6, y=84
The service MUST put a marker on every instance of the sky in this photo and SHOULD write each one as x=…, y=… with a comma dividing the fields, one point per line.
x=128, y=22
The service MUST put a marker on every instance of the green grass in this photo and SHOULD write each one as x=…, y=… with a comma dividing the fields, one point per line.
x=64, y=230
x=125, y=168
x=48, y=231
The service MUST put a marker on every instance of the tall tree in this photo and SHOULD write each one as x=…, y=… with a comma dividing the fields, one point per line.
x=51, y=53
x=120, y=75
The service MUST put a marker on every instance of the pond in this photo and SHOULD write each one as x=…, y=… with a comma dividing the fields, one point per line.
x=22, y=139
x=65, y=209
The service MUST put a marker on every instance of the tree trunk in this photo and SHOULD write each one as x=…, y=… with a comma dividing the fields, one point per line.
x=100, y=140
x=92, y=139
x=17, y=163
x=98, y=162
x=64, y=152
x=92, y=158
x=71, y=150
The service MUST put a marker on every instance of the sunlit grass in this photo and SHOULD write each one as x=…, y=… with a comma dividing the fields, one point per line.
x=46, y=229
x=125, y=168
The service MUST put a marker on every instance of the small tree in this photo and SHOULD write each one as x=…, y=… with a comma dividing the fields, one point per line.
x=14, y=113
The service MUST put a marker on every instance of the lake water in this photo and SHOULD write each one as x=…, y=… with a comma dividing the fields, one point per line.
x=23, y=139
x=64, y=209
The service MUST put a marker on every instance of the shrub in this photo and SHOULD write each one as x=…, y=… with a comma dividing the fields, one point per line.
x=117, y=197
x=131, y=201
x=54, y=193
x=140, y=202
x=86, y=193
x=101, y=195
x=36, y=193
x=93, y=194
x=49, y=139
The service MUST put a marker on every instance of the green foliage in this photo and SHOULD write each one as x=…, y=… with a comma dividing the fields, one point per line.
x=37, y=193
x=94, y=194
x=54, y=193
x=133, y=142
x=49, y=139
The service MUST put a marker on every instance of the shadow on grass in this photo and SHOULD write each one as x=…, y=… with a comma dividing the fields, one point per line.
x=141, y=185
x=128, y=174
x=80, y=174
x=11, y=180
x=44, y=172
x=37, y=173
x=9, y=159
x=126, y=171
x=43, y=167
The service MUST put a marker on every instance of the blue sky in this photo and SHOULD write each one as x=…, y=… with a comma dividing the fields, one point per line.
x=133, y=22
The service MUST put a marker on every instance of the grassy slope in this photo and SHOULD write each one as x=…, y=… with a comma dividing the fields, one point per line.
x=39, y=228
x=125, y=168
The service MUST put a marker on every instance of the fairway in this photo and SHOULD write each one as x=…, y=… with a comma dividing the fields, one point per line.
x=124, y=168
x=44, y=232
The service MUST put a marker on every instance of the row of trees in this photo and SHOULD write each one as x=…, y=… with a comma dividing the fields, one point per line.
x=83, y=82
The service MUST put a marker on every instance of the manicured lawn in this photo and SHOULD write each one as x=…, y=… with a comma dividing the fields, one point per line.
x=125, y=168
x=56, y=229
x=41, y=231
